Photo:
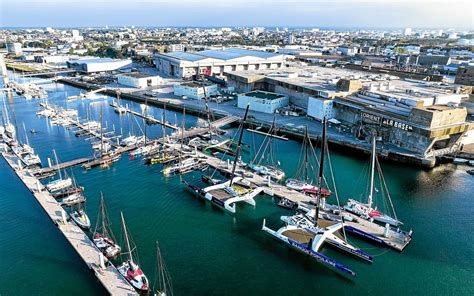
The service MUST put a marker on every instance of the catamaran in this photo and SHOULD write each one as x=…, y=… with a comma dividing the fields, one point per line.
x=103, y=236
x=308, y=235
x=130, y=269
x=236, y=189
x=367, y=210
x=79, y=216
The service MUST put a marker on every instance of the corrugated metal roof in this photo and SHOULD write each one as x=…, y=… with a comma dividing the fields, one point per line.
x=185, y=56
x=226, y=54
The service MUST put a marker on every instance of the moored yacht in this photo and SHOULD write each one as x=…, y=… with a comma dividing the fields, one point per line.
x=130, y=269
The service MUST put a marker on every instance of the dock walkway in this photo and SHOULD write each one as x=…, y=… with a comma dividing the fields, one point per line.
x=110, y=277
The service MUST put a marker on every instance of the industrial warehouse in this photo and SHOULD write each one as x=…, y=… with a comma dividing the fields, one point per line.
x=215, y=62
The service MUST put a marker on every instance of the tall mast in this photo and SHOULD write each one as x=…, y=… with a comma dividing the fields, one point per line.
x=26, y=135
x=57, y=163
x=306, y=154
x=145, y=118
x=126, y=236
x=372, y=173
x=208, y=110
x=237, y=153
x=320, y=174
x=102, y=210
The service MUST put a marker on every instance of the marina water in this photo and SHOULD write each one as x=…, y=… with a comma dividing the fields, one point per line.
x=210, y=252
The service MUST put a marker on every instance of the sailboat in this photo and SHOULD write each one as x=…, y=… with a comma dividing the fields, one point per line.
x=367, y=210
x=302, y=181
x=103, y=237
x=60, y=183
x=165, y=287
x=130, y=269
x=236, y=189
x=308, y=235
x=271, y=168
x=79, y=216
x=9, y=131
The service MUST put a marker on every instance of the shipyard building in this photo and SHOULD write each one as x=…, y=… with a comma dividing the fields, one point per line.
x=262, y=101
x=215, y=62
x=195, y=90
x=139, y=80
x=419, y=119
x=98, y=65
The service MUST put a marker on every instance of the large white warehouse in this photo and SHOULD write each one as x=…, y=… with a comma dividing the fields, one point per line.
x=98, y=65
x=216, y=62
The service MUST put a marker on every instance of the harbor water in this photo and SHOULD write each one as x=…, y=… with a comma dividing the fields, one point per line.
x=210, y=252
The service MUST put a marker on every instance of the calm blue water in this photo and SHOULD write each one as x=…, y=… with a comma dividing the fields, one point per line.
x=209, y=252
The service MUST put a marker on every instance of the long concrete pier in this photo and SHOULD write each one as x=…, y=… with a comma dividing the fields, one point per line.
x=109, y=277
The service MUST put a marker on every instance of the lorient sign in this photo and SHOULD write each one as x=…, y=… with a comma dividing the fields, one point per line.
x=371, y=117
x=386, y=121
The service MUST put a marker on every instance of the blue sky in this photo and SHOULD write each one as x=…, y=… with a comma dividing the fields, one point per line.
x=312, y=13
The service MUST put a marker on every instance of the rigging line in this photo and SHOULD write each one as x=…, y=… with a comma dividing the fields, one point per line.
x=313, y=150
x=335, y=191
x=386, y=188
x=259, y=149
x=225, y=152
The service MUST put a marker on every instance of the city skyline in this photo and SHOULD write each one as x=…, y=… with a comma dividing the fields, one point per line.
x=190, y=13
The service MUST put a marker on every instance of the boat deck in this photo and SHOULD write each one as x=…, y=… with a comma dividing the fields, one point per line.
x=396, y=240
x=110, y=278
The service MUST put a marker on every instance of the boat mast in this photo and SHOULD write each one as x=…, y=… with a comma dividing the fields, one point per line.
x=320, y=174
x=26, y=135
x=57, y=163
x=237, y=152
x=372, y=173
x=126, y=236
x=145, y=118
x=306, y=154
x=208, y=110
x=102, y=210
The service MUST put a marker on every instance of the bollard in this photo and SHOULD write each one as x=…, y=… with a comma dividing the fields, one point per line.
x=102, y=261
x=63, y=214
x=387, y=227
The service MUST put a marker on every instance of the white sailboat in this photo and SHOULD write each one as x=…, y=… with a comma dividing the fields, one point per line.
x=130, y=269
x=60, y=183
x=103, y=236
x=367, y=210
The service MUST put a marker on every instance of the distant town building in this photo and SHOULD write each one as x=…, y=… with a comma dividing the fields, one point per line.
x=139, y=80
x=407, y=31
x=14, y=48
x=176, y=47
x=262, y=101
x=76, y=36
x=195, y=90
x=54, y=59
x=98, y=65
x=215, y=62
x=291, y=39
